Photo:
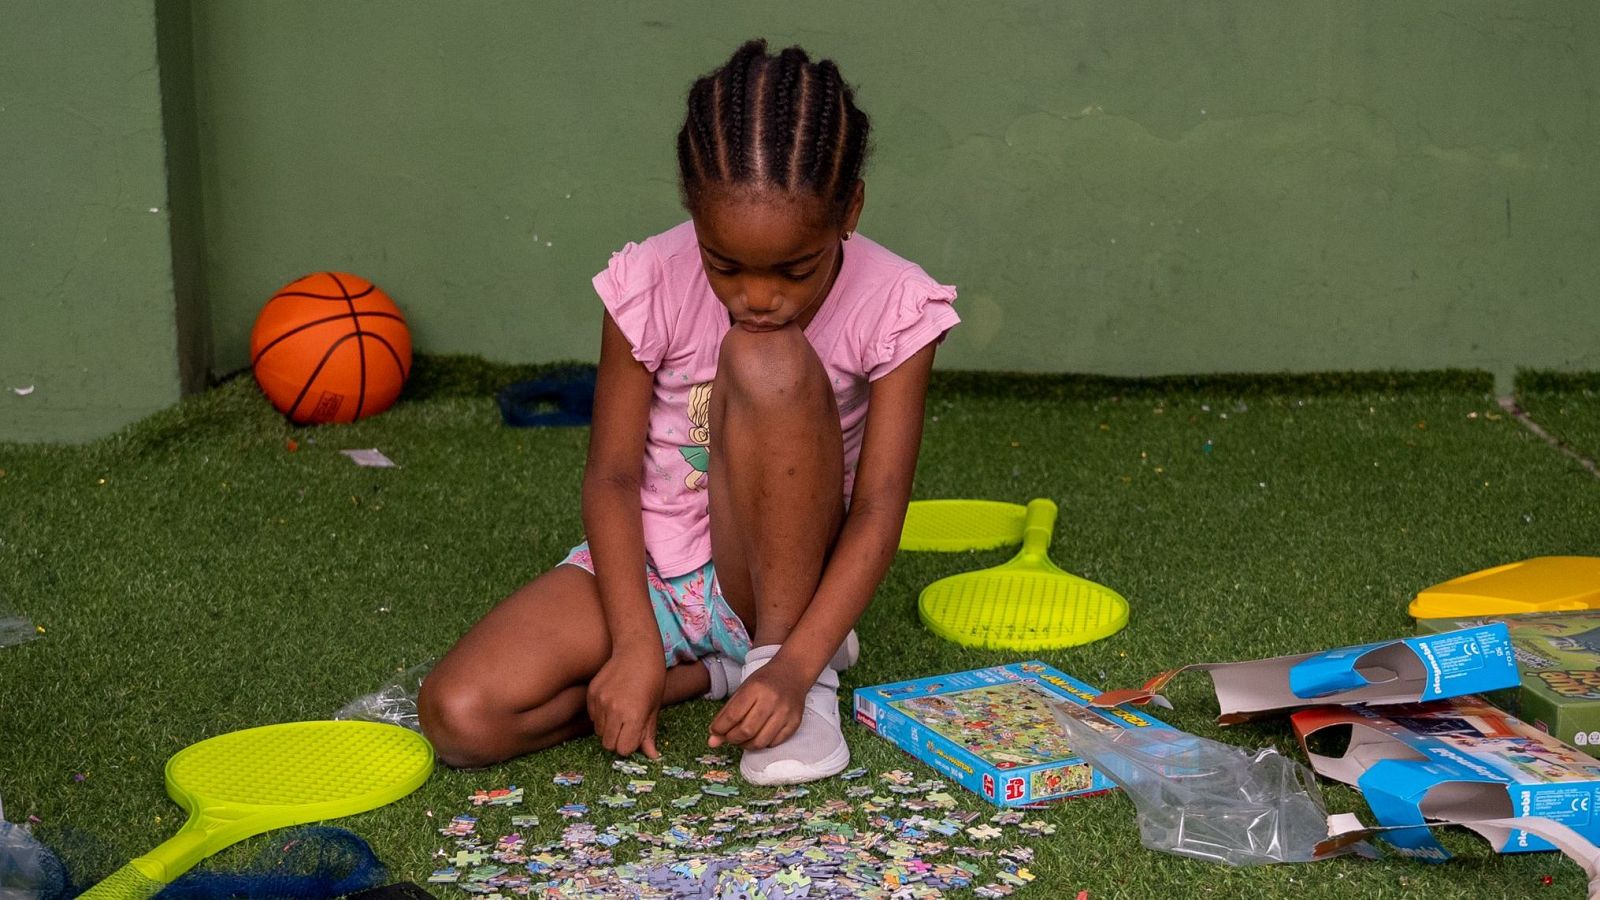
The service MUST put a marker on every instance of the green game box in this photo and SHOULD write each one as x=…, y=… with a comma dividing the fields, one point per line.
x=1559, y=656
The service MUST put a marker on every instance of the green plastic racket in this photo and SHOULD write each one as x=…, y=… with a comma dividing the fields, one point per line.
x=240, y=784
x=1024, y=604
x=949, y=525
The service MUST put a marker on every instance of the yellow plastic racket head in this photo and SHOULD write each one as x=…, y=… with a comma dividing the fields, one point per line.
x=950, y=525
x=242, y=783
x=1025, y=604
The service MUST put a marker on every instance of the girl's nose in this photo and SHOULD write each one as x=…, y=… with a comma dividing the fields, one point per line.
x=762, y=300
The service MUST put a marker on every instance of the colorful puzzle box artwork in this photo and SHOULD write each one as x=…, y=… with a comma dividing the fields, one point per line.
x=991, y=729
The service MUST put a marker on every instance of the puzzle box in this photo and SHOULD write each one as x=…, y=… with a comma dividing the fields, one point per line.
x=991, y=729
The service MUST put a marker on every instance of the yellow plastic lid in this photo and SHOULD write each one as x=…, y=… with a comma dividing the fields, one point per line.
x=1541, y=584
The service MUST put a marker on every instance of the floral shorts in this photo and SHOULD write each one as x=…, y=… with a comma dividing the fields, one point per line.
x=691, y=613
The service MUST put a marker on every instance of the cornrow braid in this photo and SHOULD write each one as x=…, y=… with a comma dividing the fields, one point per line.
x=854, y=152
x=825, y=146
x=694, y=146
x=781, y=121
x=734, y=78
x=781, y=125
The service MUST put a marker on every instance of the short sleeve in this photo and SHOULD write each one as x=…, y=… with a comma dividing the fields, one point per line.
x=919, y=313
x=633, y=289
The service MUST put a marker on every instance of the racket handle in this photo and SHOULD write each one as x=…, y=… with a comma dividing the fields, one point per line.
x=1037, y=529
x=127, y=883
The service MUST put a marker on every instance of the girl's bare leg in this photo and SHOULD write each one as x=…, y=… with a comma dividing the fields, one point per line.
x=777, y=475
x=516, y=681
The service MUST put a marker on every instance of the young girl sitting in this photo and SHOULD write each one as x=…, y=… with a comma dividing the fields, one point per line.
x=758, y=410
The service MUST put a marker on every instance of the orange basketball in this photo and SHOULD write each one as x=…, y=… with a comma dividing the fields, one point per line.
x=330, y=347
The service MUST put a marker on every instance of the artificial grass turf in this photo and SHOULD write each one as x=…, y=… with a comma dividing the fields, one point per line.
x=195, y=576
x=1567, y=405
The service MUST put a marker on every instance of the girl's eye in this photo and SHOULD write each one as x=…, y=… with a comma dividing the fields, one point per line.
x=800, y=276
x=721, y=270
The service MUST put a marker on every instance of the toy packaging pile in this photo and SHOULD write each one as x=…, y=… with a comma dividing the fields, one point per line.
x=1408, y=731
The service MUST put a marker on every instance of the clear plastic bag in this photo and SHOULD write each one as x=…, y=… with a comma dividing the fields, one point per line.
x=394, y=703
x=1200, y=798
x=28, y=870
x=16, y=630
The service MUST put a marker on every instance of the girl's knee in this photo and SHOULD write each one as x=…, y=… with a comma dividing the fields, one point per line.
x=777, y=366
x=458, y=721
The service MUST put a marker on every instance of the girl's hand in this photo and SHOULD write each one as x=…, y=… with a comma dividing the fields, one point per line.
x=764, y=711
x=624, y=698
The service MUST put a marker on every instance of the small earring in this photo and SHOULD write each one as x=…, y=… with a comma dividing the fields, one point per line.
x=847, y=235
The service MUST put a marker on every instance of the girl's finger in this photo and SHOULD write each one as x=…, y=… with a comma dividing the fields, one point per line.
x=613, y=740
x=732, y=711
x=751, y=724
x=632, y=736
x=788, y=730
x=730, y=731
x=649, y=741
x=770, y=735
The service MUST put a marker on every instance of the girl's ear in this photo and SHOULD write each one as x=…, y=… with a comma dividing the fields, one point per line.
x=852, y=212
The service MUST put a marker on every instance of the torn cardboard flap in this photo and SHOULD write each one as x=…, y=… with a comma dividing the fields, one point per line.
x=1456, y=761
x=1345, y=830
x=1406, y=670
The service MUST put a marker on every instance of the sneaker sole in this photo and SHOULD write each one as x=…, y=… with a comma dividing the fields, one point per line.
x=831, y=765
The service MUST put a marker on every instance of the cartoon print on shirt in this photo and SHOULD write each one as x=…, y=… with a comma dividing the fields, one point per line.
x=698, y=454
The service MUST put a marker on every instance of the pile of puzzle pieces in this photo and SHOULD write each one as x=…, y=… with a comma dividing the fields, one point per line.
x=915, y=842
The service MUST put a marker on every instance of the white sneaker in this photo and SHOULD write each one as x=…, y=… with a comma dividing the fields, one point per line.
x=817, y=748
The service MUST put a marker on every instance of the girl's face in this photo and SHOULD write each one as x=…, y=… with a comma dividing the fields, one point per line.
x=771, y=256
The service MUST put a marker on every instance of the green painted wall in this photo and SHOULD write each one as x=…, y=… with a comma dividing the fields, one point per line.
x=1128, y=188
x=90, y=314
x=1132, y=188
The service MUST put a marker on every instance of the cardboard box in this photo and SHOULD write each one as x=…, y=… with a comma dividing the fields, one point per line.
x=1559, y=655
x=1455, y=760
x=991, y=730
x=1406, y=670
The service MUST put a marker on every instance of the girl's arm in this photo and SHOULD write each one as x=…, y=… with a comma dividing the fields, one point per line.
x=625, y=695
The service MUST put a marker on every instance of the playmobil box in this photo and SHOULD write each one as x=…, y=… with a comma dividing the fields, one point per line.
x=1405, y=670
x=1459, y=760
x=1559, y=655
x=991, y=730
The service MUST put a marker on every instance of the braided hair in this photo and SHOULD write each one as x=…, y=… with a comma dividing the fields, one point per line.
x=773, y=121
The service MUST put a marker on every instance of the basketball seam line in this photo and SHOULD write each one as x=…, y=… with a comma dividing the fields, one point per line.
x=323, y=321
x=370, y=288
x=361, y=347
x=392, y=352
x=314, y=373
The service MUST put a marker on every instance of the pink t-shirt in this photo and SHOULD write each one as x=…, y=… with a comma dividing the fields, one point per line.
x=881, y=310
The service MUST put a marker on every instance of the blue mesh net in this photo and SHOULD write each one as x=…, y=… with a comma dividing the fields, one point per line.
x=313, y=862
x=320, y=861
